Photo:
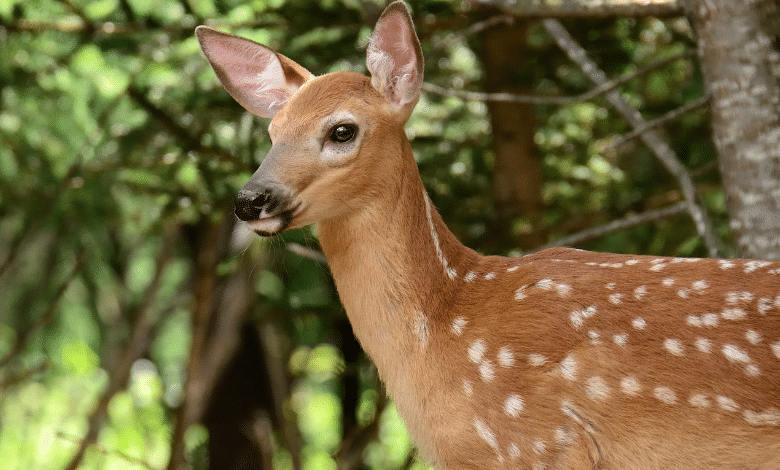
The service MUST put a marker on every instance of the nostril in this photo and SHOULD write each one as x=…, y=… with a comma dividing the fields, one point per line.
x=254, y=202
x=249, y=205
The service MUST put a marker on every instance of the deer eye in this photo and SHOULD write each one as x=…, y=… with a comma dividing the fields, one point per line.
x=343, y=133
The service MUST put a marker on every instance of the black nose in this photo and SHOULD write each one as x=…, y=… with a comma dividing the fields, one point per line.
x=255, y=201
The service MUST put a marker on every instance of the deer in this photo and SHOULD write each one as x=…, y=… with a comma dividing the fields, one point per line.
x=559, y=359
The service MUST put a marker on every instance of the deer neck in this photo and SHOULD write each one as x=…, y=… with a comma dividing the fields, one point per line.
x=394, y=263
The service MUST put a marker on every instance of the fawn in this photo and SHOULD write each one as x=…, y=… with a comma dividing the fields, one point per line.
x=563, y=359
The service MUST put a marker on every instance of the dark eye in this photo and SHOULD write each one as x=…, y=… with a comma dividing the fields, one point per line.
x=343, y=133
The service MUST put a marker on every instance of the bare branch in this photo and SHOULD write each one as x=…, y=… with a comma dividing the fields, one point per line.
x=23, y=376
x=621, y=224
x=480, y=26
x=306, y=252
x=46, y=318
x=586, y=8
x=191, y=141
x=660, y=148
x=601, y=89
x=136, y=345
x=670, y=116
x=103, y=450
x=109, y=28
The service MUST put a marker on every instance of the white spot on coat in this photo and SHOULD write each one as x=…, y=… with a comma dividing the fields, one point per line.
x=752, y=336
x=668, y=282
x=513, y=451
x=693, y=320
x=703, y=344
x=764, y=305
x=753, y=265
x=733, y=314
x=569, y=368
x=468, y=389
x=487, y=371
x=665, y=395
x=520, y=293
x=539, y=446
x=735, y=354
x=484, y=432
x=733, y=298
x=725, y=264
x=638, y=323
x=505, y=356
x=513, y=406
x=709, y=319
x=674, y=346
x=640, y=292
x=597, y=388
x=620, y=339
x=536, y=360
x=699, y=401
x=630, y=385
x=594, y=336
x=752, y=370
x=458, y=324
x=564, y=437
x=770, y=416
x=421, y=327
x=477, y=351
x=726, y=403
x=700, y=286
x=615, y=298
x=490, y=275
x=775, y=349
x=545, y=284
x=470, y=276
x=563, y=289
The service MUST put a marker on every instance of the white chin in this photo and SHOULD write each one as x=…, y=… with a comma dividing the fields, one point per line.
x=270, y=225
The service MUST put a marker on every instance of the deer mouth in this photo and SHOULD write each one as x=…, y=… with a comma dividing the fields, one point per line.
x=276, y=223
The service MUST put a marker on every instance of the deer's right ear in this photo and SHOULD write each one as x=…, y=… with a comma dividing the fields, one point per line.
x=260, y=79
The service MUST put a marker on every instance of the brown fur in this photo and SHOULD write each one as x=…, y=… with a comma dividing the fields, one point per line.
x=540, y=362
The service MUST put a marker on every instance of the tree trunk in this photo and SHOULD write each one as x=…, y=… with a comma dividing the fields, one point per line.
x=739, y=56
x=517, y=175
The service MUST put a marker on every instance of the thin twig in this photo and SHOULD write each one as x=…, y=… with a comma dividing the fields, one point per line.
x=114, y=452
x=191, y=141
x=480, y=26
x=670, y=116
x=587, y=8
x=621, y=224
x=660, y=148
x=600, y=89
x=47, y=317
x=306, y=252
x=110, y=28
x=23, y=376
x=136, y=345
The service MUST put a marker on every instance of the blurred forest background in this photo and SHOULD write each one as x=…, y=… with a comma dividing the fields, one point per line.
x=141, y=328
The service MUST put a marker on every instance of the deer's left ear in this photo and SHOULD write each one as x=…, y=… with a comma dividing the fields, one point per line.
x=395, y=59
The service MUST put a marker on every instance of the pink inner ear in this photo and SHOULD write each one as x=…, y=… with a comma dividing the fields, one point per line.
x=392, y=58
x=250, y=72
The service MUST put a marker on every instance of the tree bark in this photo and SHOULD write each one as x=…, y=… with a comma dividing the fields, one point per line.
x=586, y=8
x=517, y=174
x=737, y=45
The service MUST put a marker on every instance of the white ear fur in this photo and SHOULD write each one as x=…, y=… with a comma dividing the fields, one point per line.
x=394, y=58
x=260, y=79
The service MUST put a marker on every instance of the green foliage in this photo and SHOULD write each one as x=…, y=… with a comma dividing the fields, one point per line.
x=114, y=129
